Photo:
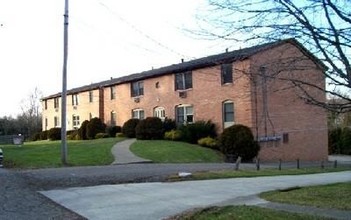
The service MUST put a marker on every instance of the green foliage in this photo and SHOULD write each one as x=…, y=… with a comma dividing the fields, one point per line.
x=82, y=132
x=340, y=141
x=54, y=134
x=169, y=124
x=173, y=135
x=238, y=140
x=208, y=142
x=120, y=135
x=193, y=132
x=35, y=137
x=113, y=130
x=101, y=135
x=44, y=135
x=150, y=128
x=129, y=126
x=94, y=127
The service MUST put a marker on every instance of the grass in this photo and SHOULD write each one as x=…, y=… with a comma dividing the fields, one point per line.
x=161, y=151
x=44, y=154
x=263, y=172
x=241, y=212
x=336, y=196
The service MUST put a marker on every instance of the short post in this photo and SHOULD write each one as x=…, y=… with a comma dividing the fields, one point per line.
x=335, y=163
x=1, y=158
x=298, y=163
x=280, y=164
x=237, y=163
x=258, y=163
x=322, y=164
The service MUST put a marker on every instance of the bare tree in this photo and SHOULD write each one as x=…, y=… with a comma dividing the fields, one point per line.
x=322, y=26
x=30, y=118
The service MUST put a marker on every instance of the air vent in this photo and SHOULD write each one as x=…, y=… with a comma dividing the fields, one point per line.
x=75, y=107
x=137, y=100
x=56, y=110
x=182, y=95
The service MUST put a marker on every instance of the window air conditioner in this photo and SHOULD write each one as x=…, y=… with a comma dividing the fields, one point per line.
x=182, y=95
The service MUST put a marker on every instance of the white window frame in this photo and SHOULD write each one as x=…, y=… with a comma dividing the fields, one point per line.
x=160, y=113
x=187, y=114
x=75, y=121
x=138, y=113
x=113, y=118
x=226, y=122
x=56, y=121
x=75, y=99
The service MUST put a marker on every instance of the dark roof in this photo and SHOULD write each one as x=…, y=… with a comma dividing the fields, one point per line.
x=208, y=61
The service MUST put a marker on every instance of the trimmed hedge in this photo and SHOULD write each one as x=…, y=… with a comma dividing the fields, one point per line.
x=150, y=128
x=82, y=131
x=238, y=140
x=94, y=127
x=129, y=126
x=193, y=132
x=54, y=134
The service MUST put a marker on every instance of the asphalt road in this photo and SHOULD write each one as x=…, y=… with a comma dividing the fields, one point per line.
x=20, y=199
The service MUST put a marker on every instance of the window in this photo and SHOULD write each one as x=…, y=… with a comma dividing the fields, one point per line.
x=90, y=116
x=91, y=96
x=113, y=118
x=227, y=73
x=183, y=81
x=46, y=124
x=137, y=88
x=184, y=114
x=113, y=92
x=160, y=113
x=75, y=99
x=76, y=122
x=228, y=114
x=138, y=113
x=46, y=104
x=56, y=103
x=56, y=121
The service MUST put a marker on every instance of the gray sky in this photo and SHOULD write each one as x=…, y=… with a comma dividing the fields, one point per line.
x=107, y=38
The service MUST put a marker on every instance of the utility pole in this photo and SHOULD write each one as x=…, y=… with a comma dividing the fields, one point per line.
x=64, y=89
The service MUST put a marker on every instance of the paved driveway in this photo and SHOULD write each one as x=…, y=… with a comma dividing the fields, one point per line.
x=159, y=200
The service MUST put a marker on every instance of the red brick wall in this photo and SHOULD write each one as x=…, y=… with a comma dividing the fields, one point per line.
x=305, y=124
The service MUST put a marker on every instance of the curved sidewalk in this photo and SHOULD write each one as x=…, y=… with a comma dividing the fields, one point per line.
x=123, y=155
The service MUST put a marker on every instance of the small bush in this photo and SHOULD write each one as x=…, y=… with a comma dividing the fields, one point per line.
x=101, y=135
x=129, y=126
x=238, y=140
x=169, y=124
x=120, y=135
x=208, y=142
x=44, y=135
x=340, y=141
x=54, y=134
x=113, y=130
x=94, y=127
x=173, y=135
x=150, y=128
x=193, y=132
x=35, y=137
x=82, y=131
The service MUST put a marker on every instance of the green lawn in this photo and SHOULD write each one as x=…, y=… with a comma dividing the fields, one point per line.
x=337, y=196
x=241, y=212
x=43, y=154
x=161, y=151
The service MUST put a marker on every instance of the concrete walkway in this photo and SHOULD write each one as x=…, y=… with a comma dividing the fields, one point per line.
x=123, y=155
x=160, y=200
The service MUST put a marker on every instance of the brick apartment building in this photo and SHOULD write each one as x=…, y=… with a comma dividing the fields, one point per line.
x=257, y=86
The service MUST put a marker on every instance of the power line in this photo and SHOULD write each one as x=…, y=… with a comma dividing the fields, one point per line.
x=136, y=29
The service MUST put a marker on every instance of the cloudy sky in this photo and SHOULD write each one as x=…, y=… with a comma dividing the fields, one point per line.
x=107, y=38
